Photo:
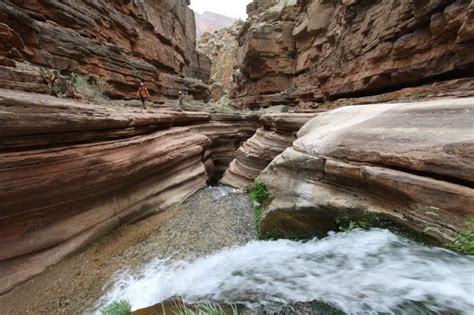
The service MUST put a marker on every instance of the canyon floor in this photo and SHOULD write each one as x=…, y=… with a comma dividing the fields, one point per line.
x=212, y=219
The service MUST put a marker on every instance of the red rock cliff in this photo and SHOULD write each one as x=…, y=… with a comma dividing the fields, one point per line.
x=122, y=41
x=318, y=50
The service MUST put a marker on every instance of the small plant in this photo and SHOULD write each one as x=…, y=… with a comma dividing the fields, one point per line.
x=120, y=307
x=464, y=243
x=258, y=196
x=345, y=224
x=366, y=220
x=89, y=88
x=204, y=309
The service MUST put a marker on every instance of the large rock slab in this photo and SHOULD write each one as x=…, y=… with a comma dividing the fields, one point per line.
x=71, y=172
x=411, y=162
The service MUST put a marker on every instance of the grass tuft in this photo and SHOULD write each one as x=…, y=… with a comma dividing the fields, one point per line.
x=120, y=307
x=464, y=243
x=204, y=309
x=258, y=196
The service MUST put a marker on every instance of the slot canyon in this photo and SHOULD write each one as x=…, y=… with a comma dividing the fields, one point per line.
x=314, y=158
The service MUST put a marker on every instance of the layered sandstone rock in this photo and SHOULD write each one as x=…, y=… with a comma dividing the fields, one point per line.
x=413, y=163
x=122, y=41
x=277, y=134
x=323, y=50
x=70, y=172
x=227, y=132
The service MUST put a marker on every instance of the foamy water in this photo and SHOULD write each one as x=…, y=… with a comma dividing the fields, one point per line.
x=359, y=271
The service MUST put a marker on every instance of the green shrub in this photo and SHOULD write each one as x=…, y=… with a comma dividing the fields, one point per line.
x=120, y=307
x=258, y=196
x=89, y=88
x=259, y=193
x=464, y=243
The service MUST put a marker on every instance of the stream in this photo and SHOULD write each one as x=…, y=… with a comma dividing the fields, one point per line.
x=361, y=271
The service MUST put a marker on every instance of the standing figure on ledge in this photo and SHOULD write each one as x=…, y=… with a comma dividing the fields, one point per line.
x=143, y=93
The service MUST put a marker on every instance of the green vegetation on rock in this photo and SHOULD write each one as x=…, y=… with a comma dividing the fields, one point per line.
x=90, y=88
x=120, y=307
x=464, y=243
x=205, y=309
x=258, y=196
x=364, y=221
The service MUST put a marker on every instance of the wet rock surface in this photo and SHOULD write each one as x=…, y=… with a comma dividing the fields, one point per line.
x=210, y=220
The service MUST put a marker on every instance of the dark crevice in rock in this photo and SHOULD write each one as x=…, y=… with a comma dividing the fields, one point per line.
x=462, y=73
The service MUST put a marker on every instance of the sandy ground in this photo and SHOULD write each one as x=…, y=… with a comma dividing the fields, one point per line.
x=210, y=220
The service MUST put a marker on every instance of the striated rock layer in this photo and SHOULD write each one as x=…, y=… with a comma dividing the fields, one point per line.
x=70, y=172
x=412, y=162
x=277, y=134
x=323, y=50
x=122, y=41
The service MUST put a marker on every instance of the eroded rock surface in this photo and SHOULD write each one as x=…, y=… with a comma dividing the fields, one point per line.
x=277, y=133
x=122, y=41
x=412, y=162
x=221, y=48
x=70, y=172
x=323, y=50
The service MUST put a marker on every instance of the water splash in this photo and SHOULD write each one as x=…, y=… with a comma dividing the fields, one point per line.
x=357, y=272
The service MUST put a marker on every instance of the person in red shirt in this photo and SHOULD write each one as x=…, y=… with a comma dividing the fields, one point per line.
x=143, y=93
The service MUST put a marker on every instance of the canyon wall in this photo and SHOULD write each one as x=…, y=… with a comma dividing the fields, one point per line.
x=221, y=48
x=70, y=172
x=410, y=163
x=320, y=50
x=123, y=42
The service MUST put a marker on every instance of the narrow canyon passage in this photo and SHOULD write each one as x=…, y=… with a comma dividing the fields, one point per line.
x=313, y=157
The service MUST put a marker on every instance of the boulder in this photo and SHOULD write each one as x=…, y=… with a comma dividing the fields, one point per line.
x=412, y=163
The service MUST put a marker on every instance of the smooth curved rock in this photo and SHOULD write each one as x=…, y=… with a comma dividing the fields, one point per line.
x=70, y=172
x=411, y=162
x=227, y=134
x=277, y=134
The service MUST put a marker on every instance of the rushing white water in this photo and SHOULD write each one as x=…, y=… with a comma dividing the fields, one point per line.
x=357, y=272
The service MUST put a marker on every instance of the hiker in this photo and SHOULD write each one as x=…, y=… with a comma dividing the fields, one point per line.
x=143, y=93
x=181, y=99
